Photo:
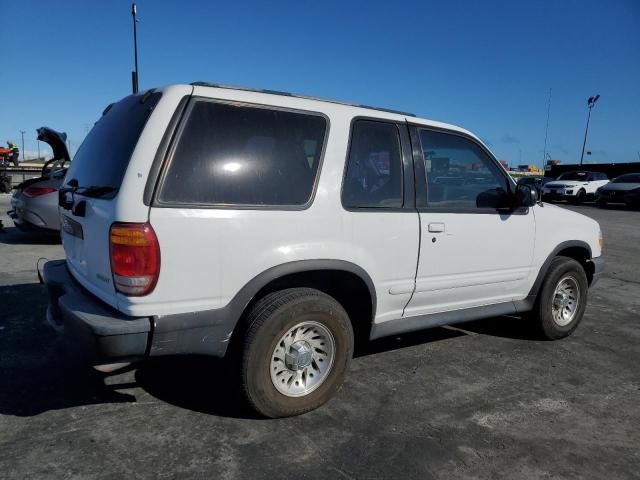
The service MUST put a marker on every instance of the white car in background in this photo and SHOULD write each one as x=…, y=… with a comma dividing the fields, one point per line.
x=574, y=187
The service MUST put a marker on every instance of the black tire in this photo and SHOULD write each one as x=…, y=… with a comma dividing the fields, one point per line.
x=581, y=196
x=601, y=204
x=542, y=313
x=271, y=318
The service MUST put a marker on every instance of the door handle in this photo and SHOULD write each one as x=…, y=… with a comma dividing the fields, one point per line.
x=436, y=227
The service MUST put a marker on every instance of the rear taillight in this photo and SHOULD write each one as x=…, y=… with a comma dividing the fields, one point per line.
x=135, y=258
x=37, y=191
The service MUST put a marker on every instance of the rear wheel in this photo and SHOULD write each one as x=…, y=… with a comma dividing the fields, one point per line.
x=562, y=299
x=296, y=350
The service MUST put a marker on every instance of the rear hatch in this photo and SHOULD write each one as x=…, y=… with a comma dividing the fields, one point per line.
x=88, y=204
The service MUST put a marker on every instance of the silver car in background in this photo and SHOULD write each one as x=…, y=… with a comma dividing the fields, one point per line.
x=35, y=201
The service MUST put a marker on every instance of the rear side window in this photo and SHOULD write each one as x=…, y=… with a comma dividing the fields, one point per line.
x=104, y=155
x=230, y=154
x=374, y=170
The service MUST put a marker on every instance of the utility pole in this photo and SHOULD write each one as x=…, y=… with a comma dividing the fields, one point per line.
x=134, y=74
x=591, y=101
x=546, y=131
x=22, y=132
x=38, y=142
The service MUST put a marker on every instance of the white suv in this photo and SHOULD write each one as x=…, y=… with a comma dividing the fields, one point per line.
x=575, y=187
x=273, y=229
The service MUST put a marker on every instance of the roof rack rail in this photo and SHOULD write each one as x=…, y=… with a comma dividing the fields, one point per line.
x=289, y=94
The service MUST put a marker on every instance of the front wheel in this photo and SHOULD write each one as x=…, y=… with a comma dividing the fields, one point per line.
x=296, y=351
x=562, y=299
x=580, y=197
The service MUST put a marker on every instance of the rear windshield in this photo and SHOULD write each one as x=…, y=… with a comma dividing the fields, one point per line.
x=103, y=157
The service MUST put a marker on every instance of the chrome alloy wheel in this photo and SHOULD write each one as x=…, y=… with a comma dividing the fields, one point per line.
x=302, y=359
x=566, y=299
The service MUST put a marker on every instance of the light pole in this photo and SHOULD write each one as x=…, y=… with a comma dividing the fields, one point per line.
x=22, y=132
x=38, y=142
x=546, y=130
x=134, y=74
x=590, y=103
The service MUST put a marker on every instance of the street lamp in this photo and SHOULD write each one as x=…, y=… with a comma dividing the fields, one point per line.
x=590, y=103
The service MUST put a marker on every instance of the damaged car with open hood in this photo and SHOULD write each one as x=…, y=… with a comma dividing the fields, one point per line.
x=35, y=201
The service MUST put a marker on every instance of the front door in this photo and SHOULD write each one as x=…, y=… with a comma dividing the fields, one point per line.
x=471, y=252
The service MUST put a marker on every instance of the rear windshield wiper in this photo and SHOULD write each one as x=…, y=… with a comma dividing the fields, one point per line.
x=72, y=187
x=94, y=190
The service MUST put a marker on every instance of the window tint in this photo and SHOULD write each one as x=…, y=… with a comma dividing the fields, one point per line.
x=240, y=155
x=576, y=176
x=628, y=178
x=374, y=169
x=104, y=155
x=460, y=174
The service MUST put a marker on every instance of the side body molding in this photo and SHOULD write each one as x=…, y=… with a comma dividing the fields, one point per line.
x=208, y=332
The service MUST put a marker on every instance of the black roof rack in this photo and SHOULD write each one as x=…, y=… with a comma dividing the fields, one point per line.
x=289, y=94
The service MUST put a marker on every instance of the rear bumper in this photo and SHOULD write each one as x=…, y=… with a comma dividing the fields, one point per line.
x=99, y=331
x=39, y=214
x=106, y=335
x=26, y=226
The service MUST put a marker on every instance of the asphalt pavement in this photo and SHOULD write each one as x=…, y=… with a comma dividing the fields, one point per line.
x=485, y=399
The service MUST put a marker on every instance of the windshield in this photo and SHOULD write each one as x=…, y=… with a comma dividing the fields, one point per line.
x=103, y=157
x=574, y=176
x=628, y=178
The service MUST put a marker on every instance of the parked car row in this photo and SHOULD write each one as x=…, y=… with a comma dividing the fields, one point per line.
x=581, y=186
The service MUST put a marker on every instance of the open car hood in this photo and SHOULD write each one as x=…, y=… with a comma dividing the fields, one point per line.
x=56, y=140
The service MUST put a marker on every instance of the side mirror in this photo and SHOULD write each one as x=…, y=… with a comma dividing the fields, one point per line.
x=526, y=195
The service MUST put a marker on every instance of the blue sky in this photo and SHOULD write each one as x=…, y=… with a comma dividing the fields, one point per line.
x=487, y=66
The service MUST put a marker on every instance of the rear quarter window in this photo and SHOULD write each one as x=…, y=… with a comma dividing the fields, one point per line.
x=236, y=154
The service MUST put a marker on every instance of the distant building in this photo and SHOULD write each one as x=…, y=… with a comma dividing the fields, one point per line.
x=552, y=163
